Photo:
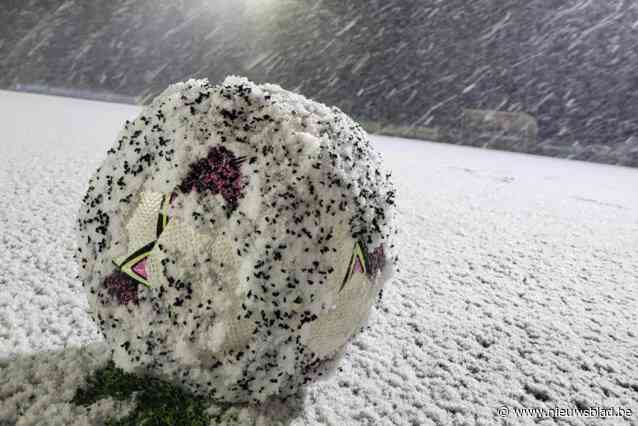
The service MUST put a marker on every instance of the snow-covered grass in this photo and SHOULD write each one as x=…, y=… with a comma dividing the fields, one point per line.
x=518, y=286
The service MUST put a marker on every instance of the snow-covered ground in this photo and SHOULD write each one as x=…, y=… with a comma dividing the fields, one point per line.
x=518, y=284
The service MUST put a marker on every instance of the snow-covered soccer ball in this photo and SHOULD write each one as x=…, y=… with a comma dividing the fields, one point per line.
x=235, y=238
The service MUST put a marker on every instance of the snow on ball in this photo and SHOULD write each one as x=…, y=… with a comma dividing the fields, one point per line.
x=235, y=238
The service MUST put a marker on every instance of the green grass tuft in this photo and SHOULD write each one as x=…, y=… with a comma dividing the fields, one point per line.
x=158, y=402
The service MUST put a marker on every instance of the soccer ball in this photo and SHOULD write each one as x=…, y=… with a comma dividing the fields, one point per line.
x=235, y=238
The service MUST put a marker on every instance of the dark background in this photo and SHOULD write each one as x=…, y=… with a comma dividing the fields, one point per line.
x=401, y=65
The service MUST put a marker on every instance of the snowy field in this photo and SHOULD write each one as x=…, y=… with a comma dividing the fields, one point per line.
x=518, y=285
